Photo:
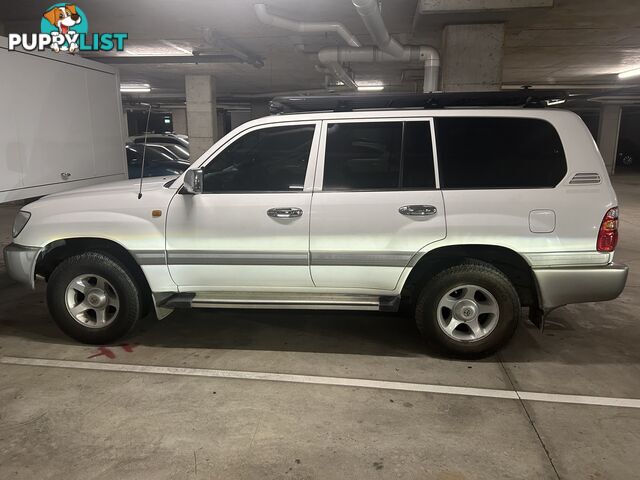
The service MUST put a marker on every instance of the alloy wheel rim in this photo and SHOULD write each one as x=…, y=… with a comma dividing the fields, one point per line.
x=468, y=313
x=92, y=301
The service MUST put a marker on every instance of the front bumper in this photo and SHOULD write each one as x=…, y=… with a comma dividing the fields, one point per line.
x=20, y=262
x=561, y=286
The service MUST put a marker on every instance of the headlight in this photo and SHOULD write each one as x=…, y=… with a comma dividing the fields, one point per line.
x=19, y=223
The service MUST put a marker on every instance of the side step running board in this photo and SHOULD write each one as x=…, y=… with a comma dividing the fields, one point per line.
x=281, y=301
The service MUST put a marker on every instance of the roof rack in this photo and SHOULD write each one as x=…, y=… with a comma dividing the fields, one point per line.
x=346, y=103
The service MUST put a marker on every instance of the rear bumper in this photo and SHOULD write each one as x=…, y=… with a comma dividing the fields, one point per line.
x=20, y=262
x=561, y=286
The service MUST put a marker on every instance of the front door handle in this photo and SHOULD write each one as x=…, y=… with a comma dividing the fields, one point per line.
x=418, y=210
x=285, y=212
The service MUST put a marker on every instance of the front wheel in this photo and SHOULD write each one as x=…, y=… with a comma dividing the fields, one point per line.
x=468, y=310
x=93, y=298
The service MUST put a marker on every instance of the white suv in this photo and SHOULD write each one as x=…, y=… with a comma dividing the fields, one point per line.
x=461, y=215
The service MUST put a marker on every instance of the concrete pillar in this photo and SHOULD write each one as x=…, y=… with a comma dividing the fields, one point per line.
x=179, y=117
x=472, y=57
x=202, y=120
x=259, y=108
x=608, y=135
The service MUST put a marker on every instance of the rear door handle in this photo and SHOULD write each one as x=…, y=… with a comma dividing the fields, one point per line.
x=285, y=212
x=418, y=210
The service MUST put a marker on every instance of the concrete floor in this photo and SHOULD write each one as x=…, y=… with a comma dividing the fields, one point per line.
x=85, y=424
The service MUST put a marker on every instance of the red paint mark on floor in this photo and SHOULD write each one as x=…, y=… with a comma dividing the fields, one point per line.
x=107, y=352
x=103, y=351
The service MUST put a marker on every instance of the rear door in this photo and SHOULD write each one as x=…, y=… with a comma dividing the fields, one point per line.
x=376, y=201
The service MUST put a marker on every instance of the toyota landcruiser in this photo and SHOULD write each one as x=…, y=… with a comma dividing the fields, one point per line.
x=463, y=216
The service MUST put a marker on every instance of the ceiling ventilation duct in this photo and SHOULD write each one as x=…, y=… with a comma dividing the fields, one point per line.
x=391, y=50
x=388, y=49
x=304, y=27
x=312, y=27
x=372, y=18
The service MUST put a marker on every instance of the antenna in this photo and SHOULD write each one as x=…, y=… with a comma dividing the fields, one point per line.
x=144, y=149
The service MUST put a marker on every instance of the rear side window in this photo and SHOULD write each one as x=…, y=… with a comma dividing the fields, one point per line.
x=492, y=152
x=378, y=156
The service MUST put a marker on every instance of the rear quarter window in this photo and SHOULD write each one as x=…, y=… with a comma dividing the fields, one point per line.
x=498, y=152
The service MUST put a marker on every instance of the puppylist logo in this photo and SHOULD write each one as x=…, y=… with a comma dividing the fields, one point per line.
x=64, y=28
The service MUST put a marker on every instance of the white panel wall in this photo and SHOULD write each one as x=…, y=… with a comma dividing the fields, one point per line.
x=60, y=124
x=10, y=155
x=106, y=132
x=52, y=118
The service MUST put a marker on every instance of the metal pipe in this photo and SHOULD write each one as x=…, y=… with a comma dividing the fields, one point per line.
x=228, y=46
x=428, y=55
x=304, y=27
x=390, y=49
x=372, y=18
x=430, y=82
x=341, y=74
x=374, y=55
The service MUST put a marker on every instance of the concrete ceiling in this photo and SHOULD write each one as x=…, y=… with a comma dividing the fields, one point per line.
x=574, y=42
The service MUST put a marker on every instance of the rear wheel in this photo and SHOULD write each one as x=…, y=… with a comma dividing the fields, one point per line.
x=93, y=298
x=468, y=310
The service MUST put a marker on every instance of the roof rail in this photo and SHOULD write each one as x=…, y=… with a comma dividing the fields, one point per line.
x=346, y=103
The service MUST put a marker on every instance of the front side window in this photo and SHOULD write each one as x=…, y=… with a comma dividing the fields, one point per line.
x=378, y=156
x=272, y=159
x=498, y=152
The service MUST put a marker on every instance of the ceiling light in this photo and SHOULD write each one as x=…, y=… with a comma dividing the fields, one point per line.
x=556, y=101
x=629, y=73
x=370, y=85
x=135, y=88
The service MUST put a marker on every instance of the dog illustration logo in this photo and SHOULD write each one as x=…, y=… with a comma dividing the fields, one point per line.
x=64, y=28
x=66, y=21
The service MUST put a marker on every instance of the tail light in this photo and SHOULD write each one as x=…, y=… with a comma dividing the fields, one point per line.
x=608, y=234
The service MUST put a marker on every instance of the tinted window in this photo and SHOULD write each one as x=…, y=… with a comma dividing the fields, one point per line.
x=488, y=152
x=417, y=165
x=266, y=160
x=378, y=156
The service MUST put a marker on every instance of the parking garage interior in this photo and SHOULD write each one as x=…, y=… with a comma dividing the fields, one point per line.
x=313, y=394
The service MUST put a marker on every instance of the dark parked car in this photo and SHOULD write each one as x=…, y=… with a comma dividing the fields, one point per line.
x=162, y=138
x=159, y=161
x=628, y=152
x=177, y=150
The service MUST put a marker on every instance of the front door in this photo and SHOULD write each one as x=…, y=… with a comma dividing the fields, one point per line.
x=376, y=202
x=250, y=226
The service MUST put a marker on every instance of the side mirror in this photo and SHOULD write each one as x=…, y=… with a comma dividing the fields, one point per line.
x=193, y=181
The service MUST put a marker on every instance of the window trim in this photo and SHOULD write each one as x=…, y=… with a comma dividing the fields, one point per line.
x=319, y=173
x=555, y=129
x=311, y=162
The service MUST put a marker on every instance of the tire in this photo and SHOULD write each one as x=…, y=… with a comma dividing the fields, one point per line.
x=118, y=307
x=449, y=303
